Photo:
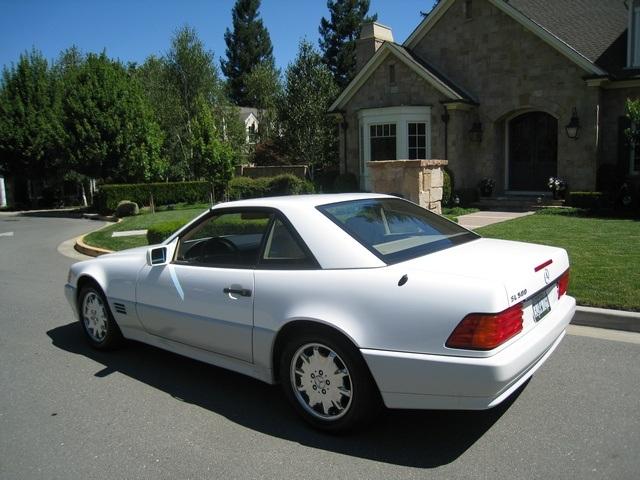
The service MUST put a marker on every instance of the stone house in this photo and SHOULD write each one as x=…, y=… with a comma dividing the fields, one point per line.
x=513, y=90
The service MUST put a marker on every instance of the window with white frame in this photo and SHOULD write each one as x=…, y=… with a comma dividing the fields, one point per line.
x=383, y=141
x=393, y=133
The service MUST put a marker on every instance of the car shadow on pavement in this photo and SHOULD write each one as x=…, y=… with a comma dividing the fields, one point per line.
x=424, y=439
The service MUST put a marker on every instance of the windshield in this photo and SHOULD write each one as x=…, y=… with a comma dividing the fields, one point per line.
x=394, y=229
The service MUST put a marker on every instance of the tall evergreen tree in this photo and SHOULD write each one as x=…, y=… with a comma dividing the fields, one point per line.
x=309, y=134
x=248, y=45
x=338, y=37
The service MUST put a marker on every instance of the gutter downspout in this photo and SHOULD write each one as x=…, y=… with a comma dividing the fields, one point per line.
x=445, y=119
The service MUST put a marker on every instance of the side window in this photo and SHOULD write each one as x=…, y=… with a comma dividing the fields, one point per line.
x=282, y=249
x=227, y=239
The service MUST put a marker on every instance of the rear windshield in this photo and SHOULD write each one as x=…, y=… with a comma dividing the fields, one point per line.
x=395, y=230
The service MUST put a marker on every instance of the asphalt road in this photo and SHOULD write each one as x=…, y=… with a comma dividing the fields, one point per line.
x=69, y=412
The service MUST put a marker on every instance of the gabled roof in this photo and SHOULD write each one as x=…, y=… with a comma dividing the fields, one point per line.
x=432, y=76
x=582, y=30
x=245, y=112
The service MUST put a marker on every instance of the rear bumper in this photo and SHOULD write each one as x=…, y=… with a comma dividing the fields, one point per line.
x=420, y=381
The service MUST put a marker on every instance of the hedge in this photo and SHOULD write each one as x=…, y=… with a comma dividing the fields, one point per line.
x=286, y=184
x=159, y=232
x=588, y=200
x=230, y=226
x=109, y=196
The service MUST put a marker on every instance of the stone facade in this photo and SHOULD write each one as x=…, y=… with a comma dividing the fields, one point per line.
x=409, y=90
x=420, y=181
x=507, y=70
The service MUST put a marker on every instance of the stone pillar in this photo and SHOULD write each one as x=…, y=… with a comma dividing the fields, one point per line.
x=419, y=181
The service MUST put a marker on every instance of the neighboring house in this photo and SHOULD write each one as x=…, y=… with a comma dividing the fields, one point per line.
x=517, y=90
x=249, y=117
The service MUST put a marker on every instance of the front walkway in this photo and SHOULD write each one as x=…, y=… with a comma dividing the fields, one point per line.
x=482, y=219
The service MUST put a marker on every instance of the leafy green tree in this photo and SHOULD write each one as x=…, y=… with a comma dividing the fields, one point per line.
x=110, y=130
x=30, y=127
x=309, y=134
x=338, y=37
x=248, y=45
x=264, y=91
x=185, y=88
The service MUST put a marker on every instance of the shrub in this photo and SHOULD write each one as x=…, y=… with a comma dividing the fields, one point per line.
x=107, y=199
x=270, y=153
x=286, y=184
x=447, y=186
x=245, y=187
x=586, y=200
x=159, y=232
x=127, y=209
x=346, y=183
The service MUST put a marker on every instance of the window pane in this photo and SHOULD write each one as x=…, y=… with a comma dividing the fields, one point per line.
x=421, y=153
x=394, y=229
x=422, y=141
x=281, y=245
x=412, y=129
x=413, y=142
x=231, y=239
x=372, y=130
x=421, y=128
x=412, y=154
x=393, y=129
x=383, y=148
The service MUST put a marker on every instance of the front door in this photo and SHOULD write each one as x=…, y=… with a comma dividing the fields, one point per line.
x=204, y=297
x=533, y=151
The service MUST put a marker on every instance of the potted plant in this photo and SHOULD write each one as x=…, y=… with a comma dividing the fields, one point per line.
x=486, y=186
x=558, y=187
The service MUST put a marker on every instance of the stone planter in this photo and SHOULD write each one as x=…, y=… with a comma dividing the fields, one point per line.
x=420, y=181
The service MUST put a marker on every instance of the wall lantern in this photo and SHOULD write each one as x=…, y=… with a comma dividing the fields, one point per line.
x=475, y=134
x=573, y=128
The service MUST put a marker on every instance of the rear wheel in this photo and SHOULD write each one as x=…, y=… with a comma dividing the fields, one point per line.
x=328, y=382
x=101, y=330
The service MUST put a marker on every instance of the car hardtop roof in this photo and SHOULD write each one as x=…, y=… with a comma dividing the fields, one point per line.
x=313, y=200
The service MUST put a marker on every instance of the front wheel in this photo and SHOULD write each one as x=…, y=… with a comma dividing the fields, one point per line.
x=101, y=330
x=328, y=382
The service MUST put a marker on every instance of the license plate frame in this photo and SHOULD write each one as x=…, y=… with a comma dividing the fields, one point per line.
x=540, y=306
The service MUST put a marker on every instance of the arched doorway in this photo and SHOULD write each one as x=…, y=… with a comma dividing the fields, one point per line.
x=533, y=151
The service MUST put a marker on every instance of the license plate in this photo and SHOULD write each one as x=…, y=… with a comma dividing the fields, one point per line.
x=541, y=306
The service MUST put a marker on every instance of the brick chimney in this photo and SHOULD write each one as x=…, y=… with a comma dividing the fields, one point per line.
x=372, y=36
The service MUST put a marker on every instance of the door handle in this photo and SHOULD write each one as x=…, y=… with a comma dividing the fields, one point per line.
x=243, y=292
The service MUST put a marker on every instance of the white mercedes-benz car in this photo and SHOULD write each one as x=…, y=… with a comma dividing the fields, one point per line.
x=349, y=301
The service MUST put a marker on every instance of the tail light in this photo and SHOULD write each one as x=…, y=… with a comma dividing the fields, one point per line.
x=563, y=283
x=485, y=331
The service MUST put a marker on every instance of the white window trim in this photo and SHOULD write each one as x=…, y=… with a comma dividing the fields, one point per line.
x=402, y=117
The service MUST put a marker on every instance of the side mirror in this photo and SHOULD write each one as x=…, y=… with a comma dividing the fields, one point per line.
x=157, y=256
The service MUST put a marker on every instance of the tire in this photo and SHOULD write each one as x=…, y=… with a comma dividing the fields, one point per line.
x=337, y=398
x=98, y=325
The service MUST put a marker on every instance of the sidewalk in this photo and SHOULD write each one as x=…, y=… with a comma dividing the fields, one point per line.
x=484, y=218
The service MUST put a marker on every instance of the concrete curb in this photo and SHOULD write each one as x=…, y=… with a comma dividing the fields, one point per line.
x=85, y=249
x=605, y=318
x=89, y=250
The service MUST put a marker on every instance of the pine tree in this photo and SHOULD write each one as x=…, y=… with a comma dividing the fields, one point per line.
x=248, y=45
x=338, y=37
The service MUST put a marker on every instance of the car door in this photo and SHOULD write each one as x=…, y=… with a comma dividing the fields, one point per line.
x=204, y=296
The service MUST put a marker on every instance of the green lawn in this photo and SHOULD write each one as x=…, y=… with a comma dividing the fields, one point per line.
x=604, y=254
x=103, y=239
